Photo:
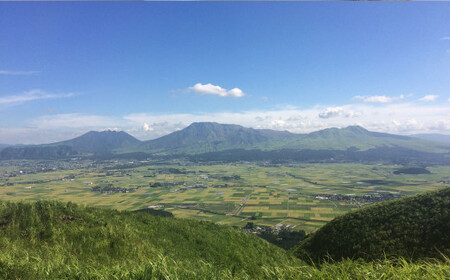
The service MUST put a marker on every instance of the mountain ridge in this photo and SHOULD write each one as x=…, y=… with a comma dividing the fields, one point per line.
x=99, y=141
x=210, y=137
x=214, y=137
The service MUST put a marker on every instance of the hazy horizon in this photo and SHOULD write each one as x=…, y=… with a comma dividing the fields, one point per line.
x=140, y=139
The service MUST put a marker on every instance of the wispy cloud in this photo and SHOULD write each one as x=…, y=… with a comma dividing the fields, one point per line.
x=147, y=127
x=399, y=118
x=77, y=120
x=216, y=90
x=445, y=38
x=378, y=98
x=429, y=98
x=31, y=95
x=332, y=112
x=9, y=72
x=402, y=118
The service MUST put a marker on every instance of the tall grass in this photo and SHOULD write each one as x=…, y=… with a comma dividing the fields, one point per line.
x=162, y=267
x=54, y=240
x=358, y=269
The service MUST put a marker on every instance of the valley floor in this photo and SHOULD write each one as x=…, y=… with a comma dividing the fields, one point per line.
x=298, y=196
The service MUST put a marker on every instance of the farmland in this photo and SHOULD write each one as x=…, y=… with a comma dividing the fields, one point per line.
x=302, y=195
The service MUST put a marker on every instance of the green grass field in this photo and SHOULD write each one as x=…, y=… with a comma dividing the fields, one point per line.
x=291, y=195
x=54, y=240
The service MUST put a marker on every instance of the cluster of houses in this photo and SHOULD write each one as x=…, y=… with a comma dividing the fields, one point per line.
x=111, y=189
x=258, y=229
x=367, y=198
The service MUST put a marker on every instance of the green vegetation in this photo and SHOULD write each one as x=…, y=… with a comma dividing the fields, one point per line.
x=360, y=270
x=282, y=237
x=412, y=170
x=416, y=227
x=54, y=240
x=209, y=141
x=37, y=152
x=302, y=195
x=100, y=142
x=159, y=213
x=210, y=137
x=64, y=239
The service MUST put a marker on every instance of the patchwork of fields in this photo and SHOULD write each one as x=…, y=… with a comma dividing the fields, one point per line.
x=302, y=195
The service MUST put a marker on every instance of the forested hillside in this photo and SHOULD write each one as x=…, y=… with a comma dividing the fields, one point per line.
x=416, y=227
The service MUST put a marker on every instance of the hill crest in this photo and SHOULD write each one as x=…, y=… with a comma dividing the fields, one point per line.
x=414, y=227
x=100, y=141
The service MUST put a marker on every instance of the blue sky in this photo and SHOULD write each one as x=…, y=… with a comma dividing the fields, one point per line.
x=152, y=68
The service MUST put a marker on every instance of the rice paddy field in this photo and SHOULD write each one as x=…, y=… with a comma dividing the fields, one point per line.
x=302, y=195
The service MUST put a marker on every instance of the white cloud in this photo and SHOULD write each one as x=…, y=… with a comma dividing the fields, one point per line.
x=216, y=90
x=8, y=72
x=377, y=98
x=397, y=118
x=34, y=94
x=332, y=112
x=396, y=123
x=352, y=114
x=263, y=118
x=445, y=38
x=428, y=98
x=147, y=127
x=400, y=118
x=278, y=124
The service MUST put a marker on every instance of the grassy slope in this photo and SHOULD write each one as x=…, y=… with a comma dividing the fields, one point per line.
x=54, y=240
x=55, y=236
x=414, y=227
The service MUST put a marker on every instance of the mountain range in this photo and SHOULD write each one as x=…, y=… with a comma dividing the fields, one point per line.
x=214, y=139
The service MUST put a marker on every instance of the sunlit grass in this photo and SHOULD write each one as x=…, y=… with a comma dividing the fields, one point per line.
x=162, y=267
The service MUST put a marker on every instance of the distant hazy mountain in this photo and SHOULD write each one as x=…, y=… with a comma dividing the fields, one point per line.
x=360, y=138
x=231, y=139
x=100, y=142
x=37, y=152
x=209, y=136
x=213, y=137
x=93, y=142
x=434, y=137
x=10, y=145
